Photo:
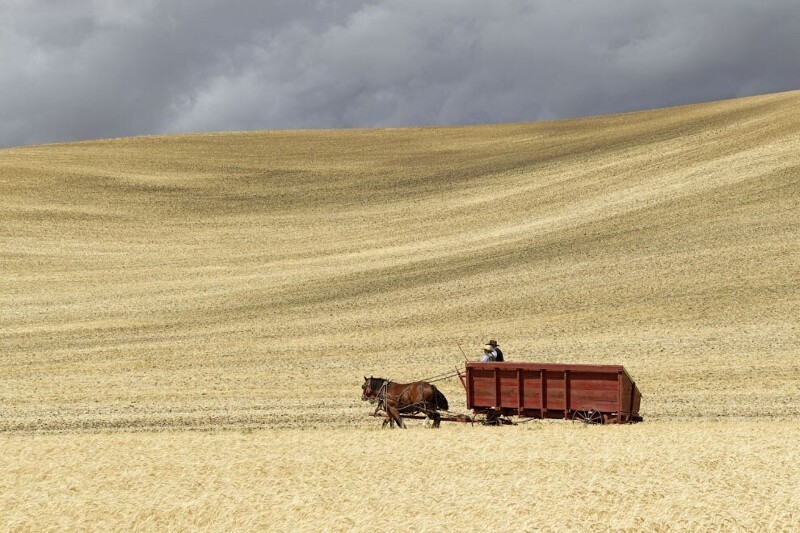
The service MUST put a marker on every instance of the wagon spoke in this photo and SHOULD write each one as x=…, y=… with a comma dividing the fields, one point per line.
x=588, y=417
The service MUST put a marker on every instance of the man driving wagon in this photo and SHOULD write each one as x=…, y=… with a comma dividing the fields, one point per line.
x=492, y=352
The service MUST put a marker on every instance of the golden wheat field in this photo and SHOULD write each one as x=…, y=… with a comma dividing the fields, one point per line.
x=185, y=322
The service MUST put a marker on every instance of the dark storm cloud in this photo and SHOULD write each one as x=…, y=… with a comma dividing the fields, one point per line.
x=77, y=70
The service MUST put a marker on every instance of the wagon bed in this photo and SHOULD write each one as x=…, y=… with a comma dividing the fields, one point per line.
x=590, y=393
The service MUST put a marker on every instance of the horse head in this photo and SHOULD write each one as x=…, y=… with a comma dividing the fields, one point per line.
x=366, y=389
x=370, y=389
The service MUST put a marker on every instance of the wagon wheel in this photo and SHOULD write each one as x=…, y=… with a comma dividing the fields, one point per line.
x=485, y=418
x=488, y=417
x=587, y=417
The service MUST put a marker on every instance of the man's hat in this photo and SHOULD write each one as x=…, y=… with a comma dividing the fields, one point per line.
x=492, y=343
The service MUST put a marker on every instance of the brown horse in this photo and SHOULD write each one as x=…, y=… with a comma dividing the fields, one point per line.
x=397, y=398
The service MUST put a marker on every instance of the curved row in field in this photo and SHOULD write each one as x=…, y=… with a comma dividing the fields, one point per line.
x=251, y=279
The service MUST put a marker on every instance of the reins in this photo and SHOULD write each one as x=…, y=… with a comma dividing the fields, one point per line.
x=444, y=375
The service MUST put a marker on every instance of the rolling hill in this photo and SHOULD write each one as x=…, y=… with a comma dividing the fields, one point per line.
x=253, y=278
x=243, y=283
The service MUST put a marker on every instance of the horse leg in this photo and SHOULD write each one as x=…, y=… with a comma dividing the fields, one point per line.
x=381, y=407
x=395, y=414
x=388, y=420
x=436, y=417
x=426, y=422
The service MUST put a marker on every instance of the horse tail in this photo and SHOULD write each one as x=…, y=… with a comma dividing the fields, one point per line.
x=439, y=399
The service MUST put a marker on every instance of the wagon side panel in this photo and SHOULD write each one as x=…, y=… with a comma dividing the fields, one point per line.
x=527, y=391
x=598, y=391
x=555, y=392
x=509, y=388
x=482, y=387
x=492, y=386
x=532, y=390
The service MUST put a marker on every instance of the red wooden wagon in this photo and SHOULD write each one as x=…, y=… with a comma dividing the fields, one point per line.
x=598, y=394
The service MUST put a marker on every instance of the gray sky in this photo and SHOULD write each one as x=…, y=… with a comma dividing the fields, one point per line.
x=74, y=70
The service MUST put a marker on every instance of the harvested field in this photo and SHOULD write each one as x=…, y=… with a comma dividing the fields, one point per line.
x=540, y=476
x=241, y=284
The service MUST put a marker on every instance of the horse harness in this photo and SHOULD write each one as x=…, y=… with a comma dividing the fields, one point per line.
x=383, y=394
